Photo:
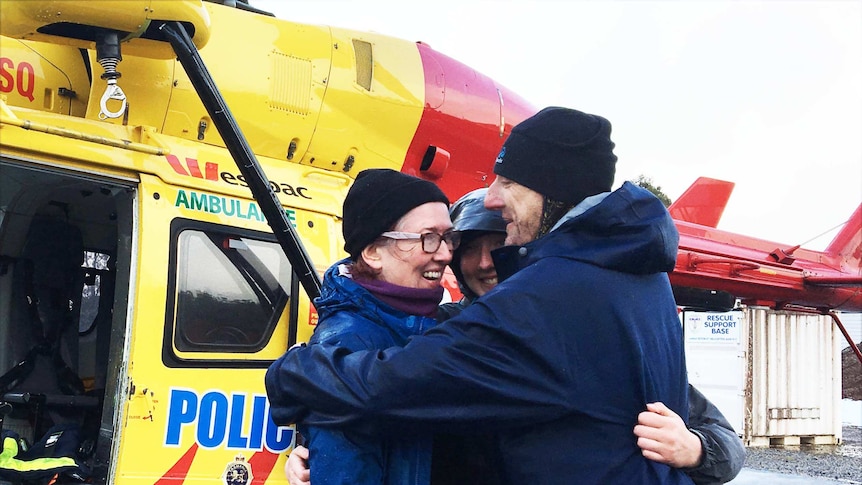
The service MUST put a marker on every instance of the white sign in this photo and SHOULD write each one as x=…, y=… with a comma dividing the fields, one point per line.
x=709, y=327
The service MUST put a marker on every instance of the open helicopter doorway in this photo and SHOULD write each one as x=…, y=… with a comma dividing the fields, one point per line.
x=66, y=240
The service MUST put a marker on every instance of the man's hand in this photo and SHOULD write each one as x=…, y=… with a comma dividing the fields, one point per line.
x=296, y=467
x=664, y=437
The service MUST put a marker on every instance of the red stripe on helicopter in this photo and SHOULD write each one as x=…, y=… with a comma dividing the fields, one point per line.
x=180, y=470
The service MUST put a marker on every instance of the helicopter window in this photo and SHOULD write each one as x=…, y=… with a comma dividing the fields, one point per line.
x=230, y=292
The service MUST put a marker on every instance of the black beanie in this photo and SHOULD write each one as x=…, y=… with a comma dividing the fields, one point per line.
x=377, y=199
x=561, y=153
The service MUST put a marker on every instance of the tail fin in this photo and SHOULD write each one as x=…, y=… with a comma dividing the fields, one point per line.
x=847, y=244
x=703, y=202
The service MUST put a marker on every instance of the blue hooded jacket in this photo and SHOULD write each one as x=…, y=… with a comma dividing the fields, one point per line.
x=557, y=360
x=353, y=319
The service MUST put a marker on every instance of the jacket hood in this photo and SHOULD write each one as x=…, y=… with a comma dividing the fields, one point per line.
x=629, y=231
x=469, y=214
x=471, y=219
x=339, y=293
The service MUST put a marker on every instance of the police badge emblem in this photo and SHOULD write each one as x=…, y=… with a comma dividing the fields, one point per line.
x=237, y=472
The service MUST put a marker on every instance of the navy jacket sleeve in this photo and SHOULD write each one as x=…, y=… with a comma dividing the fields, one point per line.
x=470, y=370
x=723, y=451
x=516, y=357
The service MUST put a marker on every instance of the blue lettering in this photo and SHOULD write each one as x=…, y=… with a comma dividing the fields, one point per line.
x=277, y=438
x=235, y=439
x=258, y=410
x=219, y=421
x=725, y=318
x=212, y=422
x=182, y=410
x=720, y=324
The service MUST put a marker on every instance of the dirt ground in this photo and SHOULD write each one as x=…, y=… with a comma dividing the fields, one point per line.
x=838, y=462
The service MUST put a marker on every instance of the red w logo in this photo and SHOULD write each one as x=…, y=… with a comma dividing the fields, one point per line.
x=210, y=168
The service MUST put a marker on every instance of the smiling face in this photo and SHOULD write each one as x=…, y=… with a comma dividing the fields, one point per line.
x=403, y=262
x=477, y=267
x=521, y=208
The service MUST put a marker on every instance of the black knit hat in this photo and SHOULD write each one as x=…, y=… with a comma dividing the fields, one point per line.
x=561, y=153
x=377, y=199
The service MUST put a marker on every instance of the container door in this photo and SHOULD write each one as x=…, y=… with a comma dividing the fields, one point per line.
x=715, y=358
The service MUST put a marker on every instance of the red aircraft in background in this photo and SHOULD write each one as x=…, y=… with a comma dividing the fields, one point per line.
x=715, y=267
x=761, y=272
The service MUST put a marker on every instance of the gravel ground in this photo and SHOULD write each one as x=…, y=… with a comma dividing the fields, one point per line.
x=841, y=462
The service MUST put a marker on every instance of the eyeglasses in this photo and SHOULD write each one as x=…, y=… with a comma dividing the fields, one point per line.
x=430, y=240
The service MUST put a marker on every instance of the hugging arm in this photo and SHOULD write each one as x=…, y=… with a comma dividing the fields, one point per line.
x=708, y=448
x=723, y=452
x=470, y=370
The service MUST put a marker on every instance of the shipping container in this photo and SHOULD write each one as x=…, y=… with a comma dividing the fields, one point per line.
x=775, y=375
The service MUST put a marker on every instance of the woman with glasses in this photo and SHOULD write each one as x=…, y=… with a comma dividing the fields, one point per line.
x=399, y=236
x=707, y=448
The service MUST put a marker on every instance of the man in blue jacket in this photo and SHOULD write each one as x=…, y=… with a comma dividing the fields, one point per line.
x=558, y=359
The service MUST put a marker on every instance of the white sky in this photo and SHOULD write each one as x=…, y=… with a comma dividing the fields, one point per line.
x=766, y=94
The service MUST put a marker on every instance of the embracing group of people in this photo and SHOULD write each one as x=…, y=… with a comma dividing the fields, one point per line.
x=562, y=364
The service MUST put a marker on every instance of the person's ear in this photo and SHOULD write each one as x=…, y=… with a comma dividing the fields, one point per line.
x=372, y=257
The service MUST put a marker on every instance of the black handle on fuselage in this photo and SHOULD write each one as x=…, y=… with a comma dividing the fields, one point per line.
x=245, y=159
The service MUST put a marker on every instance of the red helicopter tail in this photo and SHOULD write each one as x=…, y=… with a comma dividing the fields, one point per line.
x=846, y=247
x=703, y=202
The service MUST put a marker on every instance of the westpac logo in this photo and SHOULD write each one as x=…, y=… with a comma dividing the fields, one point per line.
x=192, y=168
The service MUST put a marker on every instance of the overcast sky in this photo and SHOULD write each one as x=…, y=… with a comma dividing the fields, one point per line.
x=765, y=94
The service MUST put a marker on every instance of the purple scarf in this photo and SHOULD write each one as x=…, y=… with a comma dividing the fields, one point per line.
x=413, y=301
